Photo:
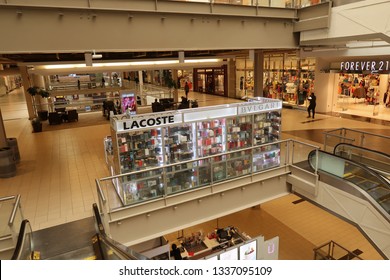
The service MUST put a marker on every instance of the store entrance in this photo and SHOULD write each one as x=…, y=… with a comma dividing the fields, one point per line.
x=211, y=80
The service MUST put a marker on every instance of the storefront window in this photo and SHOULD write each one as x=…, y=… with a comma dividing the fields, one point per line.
x=356, y=92
x=244, y=78
x=288, y=78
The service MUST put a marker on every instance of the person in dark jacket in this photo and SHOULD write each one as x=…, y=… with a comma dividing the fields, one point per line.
x=312, y=105
x=187, y=89
x=176, y=252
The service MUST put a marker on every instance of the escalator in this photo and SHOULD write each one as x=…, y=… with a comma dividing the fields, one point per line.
x=375, y=160
x=72, y=241
x=364, y=182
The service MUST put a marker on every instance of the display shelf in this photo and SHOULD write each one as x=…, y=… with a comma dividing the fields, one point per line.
x=211, y=137
x=239, y=132
x=180, y=144
x=140, y=150
x=266, y=128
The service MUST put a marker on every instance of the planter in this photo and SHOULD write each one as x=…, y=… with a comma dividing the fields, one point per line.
x=37, y=127
x=43, y=115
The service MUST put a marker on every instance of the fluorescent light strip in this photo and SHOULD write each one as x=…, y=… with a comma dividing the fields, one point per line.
x=136, y=63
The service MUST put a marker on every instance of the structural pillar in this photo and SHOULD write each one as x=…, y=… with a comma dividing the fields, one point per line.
x=258, y=66
x=232, y=73
x=26, y=83
x=3, y=137
x=175, y=90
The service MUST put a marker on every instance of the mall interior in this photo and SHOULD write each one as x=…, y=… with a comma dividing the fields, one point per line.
x=228, y=165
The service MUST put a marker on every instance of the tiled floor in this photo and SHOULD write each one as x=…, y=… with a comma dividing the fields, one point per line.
x=58, y=168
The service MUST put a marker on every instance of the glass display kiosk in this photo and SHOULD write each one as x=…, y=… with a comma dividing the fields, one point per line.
x=165, y=153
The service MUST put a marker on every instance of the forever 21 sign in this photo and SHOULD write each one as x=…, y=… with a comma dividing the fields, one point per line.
x=362, y=66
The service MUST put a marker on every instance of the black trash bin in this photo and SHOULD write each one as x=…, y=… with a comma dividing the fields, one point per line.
x=13, y=144
x=7, y=163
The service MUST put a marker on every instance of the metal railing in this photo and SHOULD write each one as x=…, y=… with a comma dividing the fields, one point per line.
x=112, y=190
x=11, y=204
x=358, y=138
x=334, y=251
x=262, y=3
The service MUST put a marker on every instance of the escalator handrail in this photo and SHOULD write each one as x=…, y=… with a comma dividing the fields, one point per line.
x=125, y=252
x=385, y=156
x=21, y=239
x=377, y=175
x=365, y=168
x=361, y=148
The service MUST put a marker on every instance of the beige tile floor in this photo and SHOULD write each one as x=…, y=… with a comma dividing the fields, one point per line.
x=57, y=172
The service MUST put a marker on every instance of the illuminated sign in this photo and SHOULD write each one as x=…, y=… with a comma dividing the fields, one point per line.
x=259, y=107
x=146, y=121
x=369, y=65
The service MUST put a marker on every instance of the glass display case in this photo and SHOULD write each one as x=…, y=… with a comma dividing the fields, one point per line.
x=180, y=144
x=239, y=132
x=211, y=137
x=187, y=149
x=141, y=149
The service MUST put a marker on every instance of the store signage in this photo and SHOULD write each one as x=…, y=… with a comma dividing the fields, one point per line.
x=145, y=121
x=254, y=107
x=369, y=65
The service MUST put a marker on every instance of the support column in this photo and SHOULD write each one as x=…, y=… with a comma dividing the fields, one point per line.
x=26, y=83
x=175, y=90
x=232, y=73
x=39, y=81
x=141, y=86
x=258, y=73
x=3, y=137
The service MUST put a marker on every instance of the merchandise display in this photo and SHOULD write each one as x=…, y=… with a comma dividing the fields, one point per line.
x=187, y=149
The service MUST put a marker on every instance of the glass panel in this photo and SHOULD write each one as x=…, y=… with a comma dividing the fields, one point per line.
x=211, y=137
x=239, y=132
x=140, y=150
x=367, y=180
x=266, y=127
x=181, y=177
x=373, y=159
x=266, y=157
x=239, y=164
x=180, y=143
x=218, y=168
x=141, y=186
x=204, y=172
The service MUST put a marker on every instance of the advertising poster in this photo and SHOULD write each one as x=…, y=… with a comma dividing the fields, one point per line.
x=128, y=103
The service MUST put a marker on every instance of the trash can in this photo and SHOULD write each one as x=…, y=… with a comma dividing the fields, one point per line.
x=13, y=144
x=7, y=163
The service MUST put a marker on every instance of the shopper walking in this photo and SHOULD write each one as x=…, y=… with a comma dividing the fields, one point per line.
x=187, y=89
x=312, y=105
